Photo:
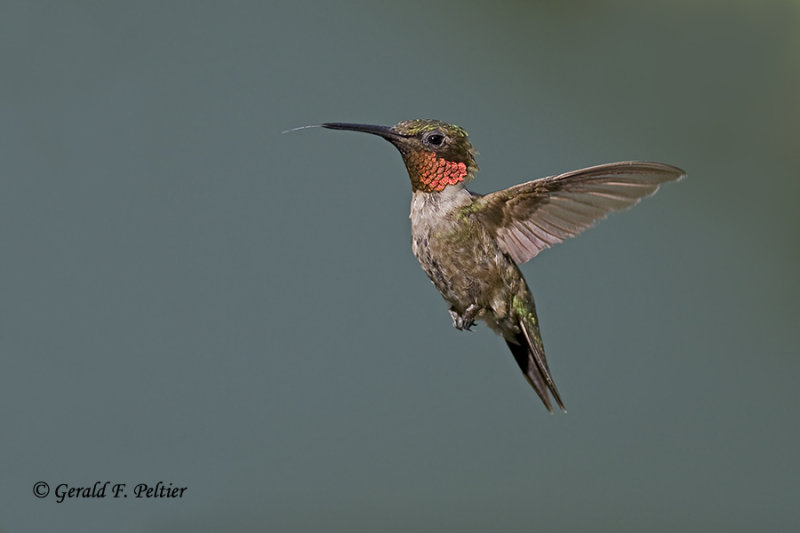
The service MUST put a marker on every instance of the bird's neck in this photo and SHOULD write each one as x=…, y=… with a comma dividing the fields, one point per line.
x=439, y=203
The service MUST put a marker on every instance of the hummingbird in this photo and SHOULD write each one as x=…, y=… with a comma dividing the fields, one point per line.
x=471, y=245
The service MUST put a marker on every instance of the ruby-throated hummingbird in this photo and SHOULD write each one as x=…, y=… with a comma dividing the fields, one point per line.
x=470, y=245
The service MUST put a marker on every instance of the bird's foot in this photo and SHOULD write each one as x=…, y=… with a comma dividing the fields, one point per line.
x=465, y=321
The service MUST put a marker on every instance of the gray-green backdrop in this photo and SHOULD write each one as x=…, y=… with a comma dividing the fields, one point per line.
x=188, y=296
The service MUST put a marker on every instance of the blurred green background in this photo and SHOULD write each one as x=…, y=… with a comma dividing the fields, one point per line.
x=189, y=296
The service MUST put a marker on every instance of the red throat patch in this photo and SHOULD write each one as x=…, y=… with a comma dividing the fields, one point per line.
x=435, y=174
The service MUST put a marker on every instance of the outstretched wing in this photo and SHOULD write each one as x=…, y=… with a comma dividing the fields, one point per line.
x=532, y=216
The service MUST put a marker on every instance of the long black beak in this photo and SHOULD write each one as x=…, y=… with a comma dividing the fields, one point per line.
x=384, y=131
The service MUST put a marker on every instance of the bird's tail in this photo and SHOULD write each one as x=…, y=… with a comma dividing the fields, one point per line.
x=528, y=351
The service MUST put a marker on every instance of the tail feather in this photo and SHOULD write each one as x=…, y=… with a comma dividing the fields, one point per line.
x=523, y=357
x=528, y=351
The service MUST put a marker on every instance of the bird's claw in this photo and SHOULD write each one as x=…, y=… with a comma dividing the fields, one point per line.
x=465, y=321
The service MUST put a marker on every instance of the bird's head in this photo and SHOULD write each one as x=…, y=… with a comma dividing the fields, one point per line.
x=437, y=155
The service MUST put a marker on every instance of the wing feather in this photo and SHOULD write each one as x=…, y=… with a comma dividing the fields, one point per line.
x=532, y=216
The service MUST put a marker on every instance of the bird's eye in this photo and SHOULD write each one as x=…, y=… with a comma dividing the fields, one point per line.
x=435, y=139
